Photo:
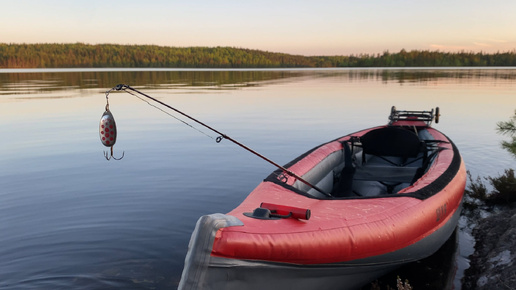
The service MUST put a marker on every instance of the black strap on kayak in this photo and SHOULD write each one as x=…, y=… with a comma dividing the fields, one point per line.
x=122, y=87
x=344, y=186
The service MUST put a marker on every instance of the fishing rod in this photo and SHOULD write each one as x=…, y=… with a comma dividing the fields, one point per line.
x=123, y=87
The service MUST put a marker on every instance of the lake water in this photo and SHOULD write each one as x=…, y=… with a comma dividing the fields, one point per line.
x=69, y=219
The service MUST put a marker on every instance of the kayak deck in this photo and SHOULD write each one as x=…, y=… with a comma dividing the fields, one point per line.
x=381, y=161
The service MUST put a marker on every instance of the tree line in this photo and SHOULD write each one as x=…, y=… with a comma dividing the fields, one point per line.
x=53, y=55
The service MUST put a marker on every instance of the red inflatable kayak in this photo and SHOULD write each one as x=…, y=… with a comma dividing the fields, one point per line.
x=381, y=197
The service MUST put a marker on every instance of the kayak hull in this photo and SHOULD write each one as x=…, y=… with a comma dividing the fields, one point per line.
x=209, y=272
x=348, y=240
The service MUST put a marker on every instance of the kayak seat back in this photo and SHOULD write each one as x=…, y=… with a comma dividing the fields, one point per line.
x=392, y=142
x=391, y=159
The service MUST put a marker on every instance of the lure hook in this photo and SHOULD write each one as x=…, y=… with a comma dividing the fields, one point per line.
x=108, y=157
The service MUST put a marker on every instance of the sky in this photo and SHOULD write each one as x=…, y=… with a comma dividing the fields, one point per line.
x=321, y=27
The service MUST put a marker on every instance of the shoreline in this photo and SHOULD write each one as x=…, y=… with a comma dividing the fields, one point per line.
x=492, y=263
x=130, y=69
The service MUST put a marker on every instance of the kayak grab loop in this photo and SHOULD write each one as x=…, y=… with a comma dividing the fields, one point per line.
x=138, y=94
x=269, y=211
x=107, y=131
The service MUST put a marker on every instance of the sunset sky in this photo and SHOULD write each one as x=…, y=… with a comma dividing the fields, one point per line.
x=333, y=27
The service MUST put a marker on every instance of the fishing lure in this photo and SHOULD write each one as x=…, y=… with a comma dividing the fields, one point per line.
x=107, y=131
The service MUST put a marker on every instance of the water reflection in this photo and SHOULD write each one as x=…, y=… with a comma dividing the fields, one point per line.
x=43, y=81
x=70, y=219
x=49, y=81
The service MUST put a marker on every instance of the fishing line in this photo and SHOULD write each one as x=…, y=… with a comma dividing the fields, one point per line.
x=132, y=91
x=171, y=115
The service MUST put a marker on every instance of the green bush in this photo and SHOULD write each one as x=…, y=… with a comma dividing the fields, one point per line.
x=476, y=188
x=504, y=188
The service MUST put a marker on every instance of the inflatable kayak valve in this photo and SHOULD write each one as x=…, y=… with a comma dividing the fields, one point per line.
x=269, y=211
x=261, y=213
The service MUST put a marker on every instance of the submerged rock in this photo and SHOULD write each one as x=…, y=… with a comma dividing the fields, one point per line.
x=493, y=264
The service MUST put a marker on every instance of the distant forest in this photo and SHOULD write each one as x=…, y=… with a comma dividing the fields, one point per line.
x=80, y=55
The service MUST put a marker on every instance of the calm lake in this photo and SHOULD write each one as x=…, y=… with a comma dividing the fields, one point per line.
x=70, y=219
